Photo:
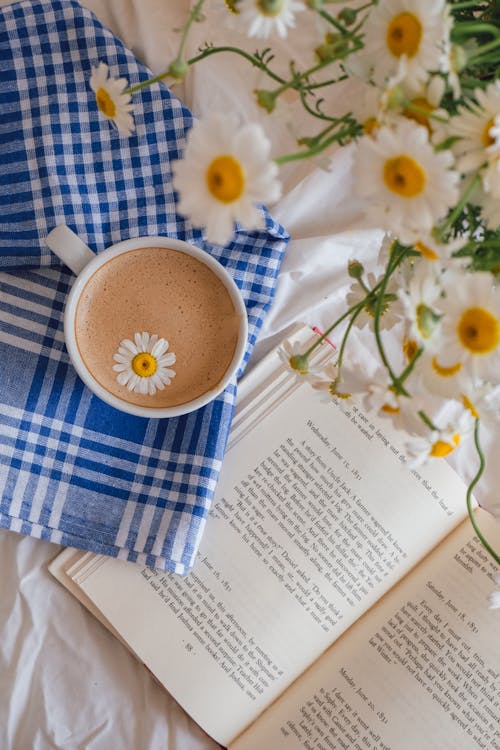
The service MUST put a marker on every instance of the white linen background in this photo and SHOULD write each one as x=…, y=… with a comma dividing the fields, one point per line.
x=65, y=682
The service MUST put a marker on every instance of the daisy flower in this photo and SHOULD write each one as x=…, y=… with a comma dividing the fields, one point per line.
x=472, y=125
x=263, y=18
x=440, y=442
x=416, y=29
x=470, y=326
x=391, y=310
x=382, y=399
x=419, y=300
x=111, y=99
x=433, y=250
x=143, y=365
x=292, y=354
x=438, y=379
x=226, y=171
x=406, y=185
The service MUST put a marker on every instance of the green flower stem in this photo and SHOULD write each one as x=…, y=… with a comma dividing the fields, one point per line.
x=479, y=57
x=333, y=21
x=323, y=84
x=440, y=231
x=315, y=113
x=473, y=28
x=426, y=420
x=411, y=364
x=391, y=267
x=419, y=110
x=207, y=53
x=251, y=59
x=344, y=339
x=471, y=486
x=345, y=133
x=470, y=4
x=149, y=82
x=187, y=26
x=296, y=79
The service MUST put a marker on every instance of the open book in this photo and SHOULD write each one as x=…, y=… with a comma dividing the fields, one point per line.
x=338, y=599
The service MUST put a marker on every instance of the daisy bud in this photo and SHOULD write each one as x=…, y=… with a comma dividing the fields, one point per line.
x=265, y=99
x=178, y=69
x=347, y=16
x=355, y=269
x=300, y=363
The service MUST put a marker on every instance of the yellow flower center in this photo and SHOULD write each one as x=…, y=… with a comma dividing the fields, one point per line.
x=144, y=364
x=105, y=103
x=470, y=406
x=478, y=330
x=441, y=448
x=404, y=176
x=231, y=6
x=427, y=252
x=410, y=348
x=370, y=125
x=420, y=117
x=388, y=409
x=486, y=138
x=404, y=33
x=271, y=8
x=446, y=372
x=225, y=179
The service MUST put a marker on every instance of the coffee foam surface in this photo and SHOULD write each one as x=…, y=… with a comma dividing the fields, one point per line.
x=162, y=291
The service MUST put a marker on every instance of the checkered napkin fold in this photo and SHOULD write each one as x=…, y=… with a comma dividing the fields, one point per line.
x=73, y=470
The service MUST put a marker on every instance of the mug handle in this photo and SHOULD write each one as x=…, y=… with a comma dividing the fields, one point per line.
x=69, y=248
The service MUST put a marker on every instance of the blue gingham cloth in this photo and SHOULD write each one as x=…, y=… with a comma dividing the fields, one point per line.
x=72, y=469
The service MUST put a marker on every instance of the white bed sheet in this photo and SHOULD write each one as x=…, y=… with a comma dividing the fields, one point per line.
x=65, y=682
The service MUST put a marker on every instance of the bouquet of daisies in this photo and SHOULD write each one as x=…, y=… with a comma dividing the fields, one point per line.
x=424, y=131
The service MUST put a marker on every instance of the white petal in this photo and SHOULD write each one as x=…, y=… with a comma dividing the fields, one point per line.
x=160, y=346
x=124, y=377
x=167, y=359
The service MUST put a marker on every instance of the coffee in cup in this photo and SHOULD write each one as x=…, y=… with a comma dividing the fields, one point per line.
x=161, y=292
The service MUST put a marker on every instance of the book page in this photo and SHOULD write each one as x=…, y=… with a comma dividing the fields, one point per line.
x=420, y=670
x=315, y=517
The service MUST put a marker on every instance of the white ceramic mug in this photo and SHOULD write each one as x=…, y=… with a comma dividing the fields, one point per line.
x=84, y=263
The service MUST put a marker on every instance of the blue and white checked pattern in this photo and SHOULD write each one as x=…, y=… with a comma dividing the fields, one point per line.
x=72, y=469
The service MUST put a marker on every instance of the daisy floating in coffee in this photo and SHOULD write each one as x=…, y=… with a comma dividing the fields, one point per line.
x=143, y=365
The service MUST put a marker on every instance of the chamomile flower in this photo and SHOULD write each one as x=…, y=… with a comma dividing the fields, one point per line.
x=473, y=123
x=391, y=309
x=419, y=300
x=440, y=442
x=382, y=398
x=111, y=99
x=406, y=185
x=416, y=29
x=291, y=354
x=433, y=250
x=143, y=364
x=438, y=379
x=226, y=171
x=263, y=18
x=470, y=326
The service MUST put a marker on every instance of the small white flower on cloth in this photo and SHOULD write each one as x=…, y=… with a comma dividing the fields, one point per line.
x=111, y=99
x=143, y=365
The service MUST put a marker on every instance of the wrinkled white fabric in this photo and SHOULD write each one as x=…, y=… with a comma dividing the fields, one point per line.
x=65, y=682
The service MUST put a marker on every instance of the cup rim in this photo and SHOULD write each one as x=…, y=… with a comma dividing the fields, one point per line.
x=120, y=248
